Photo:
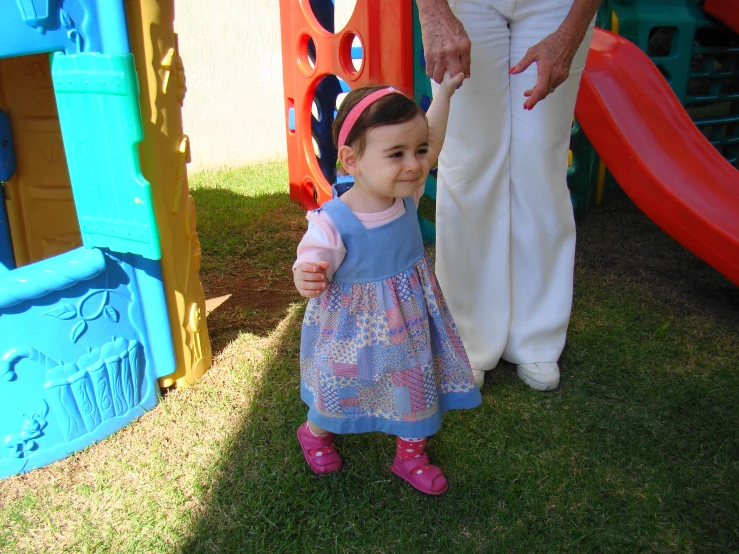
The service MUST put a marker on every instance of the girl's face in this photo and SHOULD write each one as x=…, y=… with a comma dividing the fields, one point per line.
x=395, y=160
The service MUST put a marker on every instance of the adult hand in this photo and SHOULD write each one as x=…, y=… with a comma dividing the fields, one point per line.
x=446, y=45
x=553, y=57
x=310, y=278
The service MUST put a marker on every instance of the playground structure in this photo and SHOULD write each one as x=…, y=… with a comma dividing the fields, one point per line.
x=318, y=66
x=631, y=116
x=100, y=297
x=678, y=171
x=696, y=56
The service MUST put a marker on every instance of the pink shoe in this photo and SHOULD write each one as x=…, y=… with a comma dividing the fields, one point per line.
x=319, y=451
x=420, y=474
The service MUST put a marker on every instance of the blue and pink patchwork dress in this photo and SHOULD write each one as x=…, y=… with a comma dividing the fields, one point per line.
x=379, y=349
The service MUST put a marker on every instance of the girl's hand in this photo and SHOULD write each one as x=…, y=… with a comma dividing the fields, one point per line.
x=450, y=84
x=553, y=57
x=310, y=279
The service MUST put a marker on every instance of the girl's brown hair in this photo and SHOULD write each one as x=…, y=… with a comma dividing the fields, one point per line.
x=388, y=110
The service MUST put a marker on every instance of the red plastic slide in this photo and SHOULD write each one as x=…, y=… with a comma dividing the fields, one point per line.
x=726, y=11
x=656, y=153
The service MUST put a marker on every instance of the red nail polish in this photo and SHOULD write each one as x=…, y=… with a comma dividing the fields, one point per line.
x=512, y=70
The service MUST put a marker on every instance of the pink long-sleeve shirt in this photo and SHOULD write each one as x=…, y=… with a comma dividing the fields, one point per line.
x=322, y=241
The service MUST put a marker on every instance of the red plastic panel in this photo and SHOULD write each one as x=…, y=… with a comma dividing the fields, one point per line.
x=726, y=11
x=385, y=30
x=657, y=155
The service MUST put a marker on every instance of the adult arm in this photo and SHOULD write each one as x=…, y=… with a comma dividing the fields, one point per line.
x=446, y=45
x=553, y=55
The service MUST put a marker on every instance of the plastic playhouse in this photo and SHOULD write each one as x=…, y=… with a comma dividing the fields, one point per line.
x=657, y=113
x=100, y=296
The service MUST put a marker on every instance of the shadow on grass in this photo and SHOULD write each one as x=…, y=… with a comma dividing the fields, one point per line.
x=636, y=452
x=619, y=241
x=248, y=245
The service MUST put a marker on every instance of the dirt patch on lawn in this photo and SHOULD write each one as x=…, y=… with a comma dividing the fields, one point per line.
x=246, y=301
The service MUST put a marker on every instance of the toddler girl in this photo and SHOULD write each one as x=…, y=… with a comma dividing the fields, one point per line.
x=379, y=350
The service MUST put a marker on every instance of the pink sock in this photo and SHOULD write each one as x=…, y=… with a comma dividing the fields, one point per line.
x=410, y=448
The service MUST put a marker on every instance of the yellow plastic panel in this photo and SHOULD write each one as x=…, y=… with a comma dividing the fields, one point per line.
x=41, y=212
x=164, y=154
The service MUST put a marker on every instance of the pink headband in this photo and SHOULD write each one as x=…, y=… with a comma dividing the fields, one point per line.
x=357, y=110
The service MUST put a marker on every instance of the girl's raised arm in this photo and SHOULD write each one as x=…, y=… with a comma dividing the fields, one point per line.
x=438, y=113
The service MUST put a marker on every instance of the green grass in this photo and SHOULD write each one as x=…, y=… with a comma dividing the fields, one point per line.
x=241, y=216
x=638, y=451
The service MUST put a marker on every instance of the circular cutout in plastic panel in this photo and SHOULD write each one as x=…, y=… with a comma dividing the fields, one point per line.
x=351, y=54
x=307, y=54
x=322, y=119
x=333, y=15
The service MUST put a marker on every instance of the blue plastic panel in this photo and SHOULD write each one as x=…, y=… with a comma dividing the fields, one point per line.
x=71, y=26
x=84, y=336
x=98, y=101
x=7, y=152
x=7, y=168
x=58, y=273
x=325, y=101
x=7, y=258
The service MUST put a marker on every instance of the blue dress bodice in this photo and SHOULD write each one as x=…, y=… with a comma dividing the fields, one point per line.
x=379, y=253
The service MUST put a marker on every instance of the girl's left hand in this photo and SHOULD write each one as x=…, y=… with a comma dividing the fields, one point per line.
x=310, y=278
x=450, y=84
x=553, y=57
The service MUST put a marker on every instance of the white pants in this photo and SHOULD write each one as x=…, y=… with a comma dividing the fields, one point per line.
x=505, y=227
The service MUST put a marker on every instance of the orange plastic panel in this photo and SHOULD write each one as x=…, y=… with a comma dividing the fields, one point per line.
x=41, y=211
x=726, y=11
x=656, y=153
x=164, y=154
x=385, y=29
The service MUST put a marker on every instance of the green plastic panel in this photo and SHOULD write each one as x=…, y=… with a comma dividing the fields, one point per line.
x=696, y=54
x=582, y=175
x=699, y=58
x=422, y=94
x=98, y=101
